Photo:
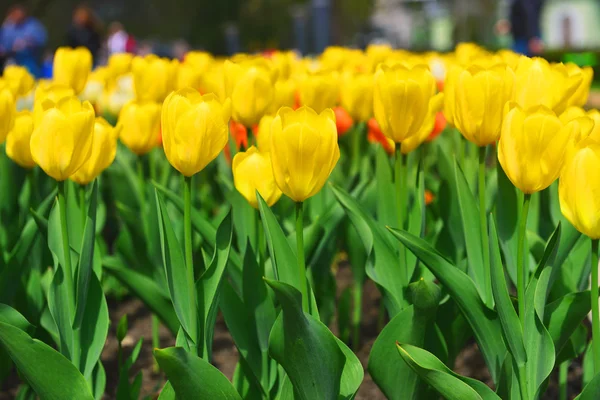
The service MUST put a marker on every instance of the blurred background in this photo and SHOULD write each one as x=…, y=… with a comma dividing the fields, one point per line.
x=171, y=27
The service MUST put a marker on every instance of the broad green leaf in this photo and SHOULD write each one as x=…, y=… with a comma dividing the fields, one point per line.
x=484, y=322
x=86, y=257
x=175, y=270
x=564, y=315
x=449, y=384
x=193, y=377
x=385, y=271
x=469, y=211
x=99, y=381
x=309, y=353
x=146, y=290
x=508, y=209
x=511, y=326
x=591, y=391
x=49, y=373
x=93, y=328
x=10, y=316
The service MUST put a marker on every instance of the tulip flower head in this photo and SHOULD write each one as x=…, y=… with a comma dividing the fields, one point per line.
x=153, y=77
x=319, y=90
x=19, y=80
x=17, y=142
x=104, y=150
x=252, y=172
x=580, y=97
x=533, y=144
x=62, y=137
x=72, y=67
x=401, y=99
x=140, y=125
x=7, y=112
x=263, y=134
x=414, y=141
x=357, y=95
x=194, y=129
x=579, y=189
x=304, y=150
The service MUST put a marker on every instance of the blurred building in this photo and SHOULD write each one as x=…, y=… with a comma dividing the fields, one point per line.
x=571, y=24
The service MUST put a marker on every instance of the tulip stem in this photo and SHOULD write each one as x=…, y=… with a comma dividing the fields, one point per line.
x=260, y=240
x=82, y=204
x=483, y=225
x=68, y=272
x=300, y=255
x=189, y=262
x=595, y=311
x=140, y=172
x=522, y=269
x=400, y=180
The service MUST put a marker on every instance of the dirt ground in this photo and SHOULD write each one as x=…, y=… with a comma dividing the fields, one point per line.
x=469, y=362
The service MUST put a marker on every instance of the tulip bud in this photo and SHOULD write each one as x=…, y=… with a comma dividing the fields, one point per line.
x=252, y=171
x=17, y=141
x=49, y=91
x=249, y=85
x=19, y=80
x=153, y=77
x=357, y=96
x=72, y=67
x=480, y=95
x=284, y=95
x=532, y=147
x=413, y=142
x=62, y=139
x=7, y=112
x=104, y=150
x=578, y=189
x=319, y=90
x=120, y=63
x=304, y=150
x=140, y=126
x=401, y=99
x=194, y=129
x=580, y=97
x=263, y=135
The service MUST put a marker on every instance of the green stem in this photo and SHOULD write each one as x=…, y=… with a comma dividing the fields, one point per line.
x=82, y=209
x=356, y=133
x=152, y=163
x=461, y=151
x=595, y=311
x=483, y=225
x=300, y=255
x=32, y=188
x=400, y=179
x=155, y=339
x=563, y=375
x=264, y=376
x=68, y=271
x=189, y=262
x=522, y=270
x=262, y=246
x=140, y=172
x=356, y=315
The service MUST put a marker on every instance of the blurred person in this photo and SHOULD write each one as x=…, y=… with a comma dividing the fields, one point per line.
x=85, y=31
x=22, y=39
x=525, y=26
x=119, y=41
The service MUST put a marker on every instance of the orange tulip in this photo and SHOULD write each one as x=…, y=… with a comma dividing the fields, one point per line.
x=440, y=125
x=343, y=120
x=376, y=136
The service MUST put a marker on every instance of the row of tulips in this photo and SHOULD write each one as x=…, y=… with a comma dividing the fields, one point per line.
x=179, y=199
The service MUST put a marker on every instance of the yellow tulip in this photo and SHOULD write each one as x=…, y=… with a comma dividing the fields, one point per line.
x=189, y=76
x=532, y=146
x=17, y=141
x=283, y=62
x=104, y=150
x=451, y=77
x=72, y=67
x=583, y=128
x=357, y=96
x=319, y=90
x=263, y=136
x=304, y=150
x=539, y=83
x=480, y=95
x=140, y=126
x=7, y=112
x=95, y=85
x=249, y=85
x=153, y=77
x=284, y=96
x=200, y=59
x=120, y=63
x=401, y=99
x=62, y=140
x=195, y=128
x=19, y=80
x=413, y=142
x=580, y=97
x=252, y=171
x=335, y=57
x=578, y=189
x=49, y=91
x=214, y=81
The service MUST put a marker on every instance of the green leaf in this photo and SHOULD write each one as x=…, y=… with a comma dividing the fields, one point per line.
x=469, y=211
x=384, y=270
x=511, y=326
x=508, y=211
x=315, y=362
x=175, y=270
x=591, y=391
x=49, y=373
x=86, y=257
x=564, y=315
x=93, y=328
x=484, y=322
x=146, y=290
x=122, y=328
x=10, y=316
x=193, y=377
x=449, y=384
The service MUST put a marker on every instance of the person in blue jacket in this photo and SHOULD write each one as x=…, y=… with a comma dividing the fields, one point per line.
x=525, y=26
x=22, y=39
